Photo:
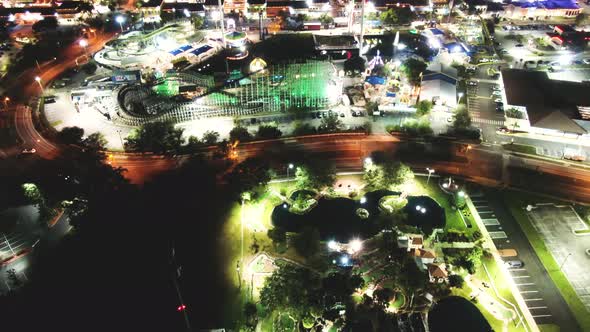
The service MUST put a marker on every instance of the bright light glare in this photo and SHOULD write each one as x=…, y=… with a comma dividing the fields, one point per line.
x=363, y=200
x=120, y=19
x=332, y=245
x=344, y=260
x=215, y=15
x=355, y=245
x=461, y=193
x=566, y=59
x=423, y=210
x=291, y=166
x=186, y=13
x=401, y=46
x=83, y=43
x=37, y=78
x=434, y=42
x=418, y=207
x=368, y=161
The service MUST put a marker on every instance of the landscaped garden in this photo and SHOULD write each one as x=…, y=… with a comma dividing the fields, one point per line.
x=336, y=237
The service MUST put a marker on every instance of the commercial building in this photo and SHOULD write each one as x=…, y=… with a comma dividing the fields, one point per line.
x=541, y=9
x=566, y=36
x=537, y=104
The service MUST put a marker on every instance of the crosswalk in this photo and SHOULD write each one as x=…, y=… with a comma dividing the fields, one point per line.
x=488, y=121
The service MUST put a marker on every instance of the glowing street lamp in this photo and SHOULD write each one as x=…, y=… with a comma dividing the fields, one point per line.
x=84, y=43
x=289, y=167
x=430, y=171
x=38, y=80
x=363, y=200
x=355, y=246
x=332, y=245
x=120, y=19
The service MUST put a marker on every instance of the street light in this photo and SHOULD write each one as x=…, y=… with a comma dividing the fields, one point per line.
x=38, y=80
x=84, y=43
x=290, y=166
x=120, y=19
x=460, y=95
x=430, y=171
x=565, y=260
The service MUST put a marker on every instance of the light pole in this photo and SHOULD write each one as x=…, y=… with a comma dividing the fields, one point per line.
x=83, y=43
x=121, y=139
x=6, y=100
x=38, y=80
x=430, y=171
x=288, y=168
x=120, y=20
x=564, y=260
x=460, y=95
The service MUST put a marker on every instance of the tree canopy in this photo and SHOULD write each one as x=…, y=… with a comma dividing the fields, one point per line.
x=413, y=68
x=316, y=175
x=156, y=137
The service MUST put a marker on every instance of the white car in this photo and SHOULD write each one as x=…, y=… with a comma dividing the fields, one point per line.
x=496, y=93
x=496, y=88
x=514, y=264
x=498, y=100
x=472, y=83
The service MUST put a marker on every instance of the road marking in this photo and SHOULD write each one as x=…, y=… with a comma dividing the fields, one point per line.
x=518, y=277
x=535, y=308
x=529, y=291
x=537, y=316
x=498, y=235
x=517, y=270
x=490, y=222
x=525, y=284
x=537, y=299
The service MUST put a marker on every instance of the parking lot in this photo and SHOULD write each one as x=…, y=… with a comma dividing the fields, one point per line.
x=526, y=278
x=556, y=225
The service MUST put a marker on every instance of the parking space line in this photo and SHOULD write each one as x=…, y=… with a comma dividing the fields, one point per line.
x=537, y=299
x=525, y=284
x=518, y=277
x=517, y=270
x=536, y=308
x=536, y=316
x=529, y=291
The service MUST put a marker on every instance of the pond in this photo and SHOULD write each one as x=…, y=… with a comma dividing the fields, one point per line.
x=455, y=313
x=334, y=218
x=425, y=213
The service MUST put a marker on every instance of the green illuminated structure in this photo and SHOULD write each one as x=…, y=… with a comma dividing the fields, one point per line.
x=310, y=85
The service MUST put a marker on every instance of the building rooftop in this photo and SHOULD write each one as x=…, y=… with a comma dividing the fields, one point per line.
x=422, y=253
x=548, y=4
x=550, y=104
x=437, y=271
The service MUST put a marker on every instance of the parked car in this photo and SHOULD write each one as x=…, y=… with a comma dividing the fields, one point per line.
x=586, y=61
x=519, y=45
x=515, y=264
x=472, y=83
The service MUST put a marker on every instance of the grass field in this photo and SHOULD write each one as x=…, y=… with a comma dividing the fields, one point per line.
x=528, y=149
x=516, y=201
x=454, y=220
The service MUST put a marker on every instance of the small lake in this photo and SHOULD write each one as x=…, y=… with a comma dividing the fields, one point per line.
x=425, y=213
x=455, y=313
x=334, y=218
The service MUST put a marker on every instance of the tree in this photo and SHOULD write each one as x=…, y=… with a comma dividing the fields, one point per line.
x=456, y=280
x=95, y=142
x=462, y=118
x=389, y=17
x=373, y=177
x=89, y=68
x=251, y=175
x=198, y=22
x=326, y=19
x=413, y=69
x=355, y=64
x=70, y=135
x=289, y=289
x=383, y=296
x=239, y=134
x=210, y=137
x=250, y=315
x=277, y=235
x=331, y=122
x=317, y=174
x=397, y=173
x=48, y=23
x=268, y=132
x=307, y=243
x=156, y=137
x=423, y=107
